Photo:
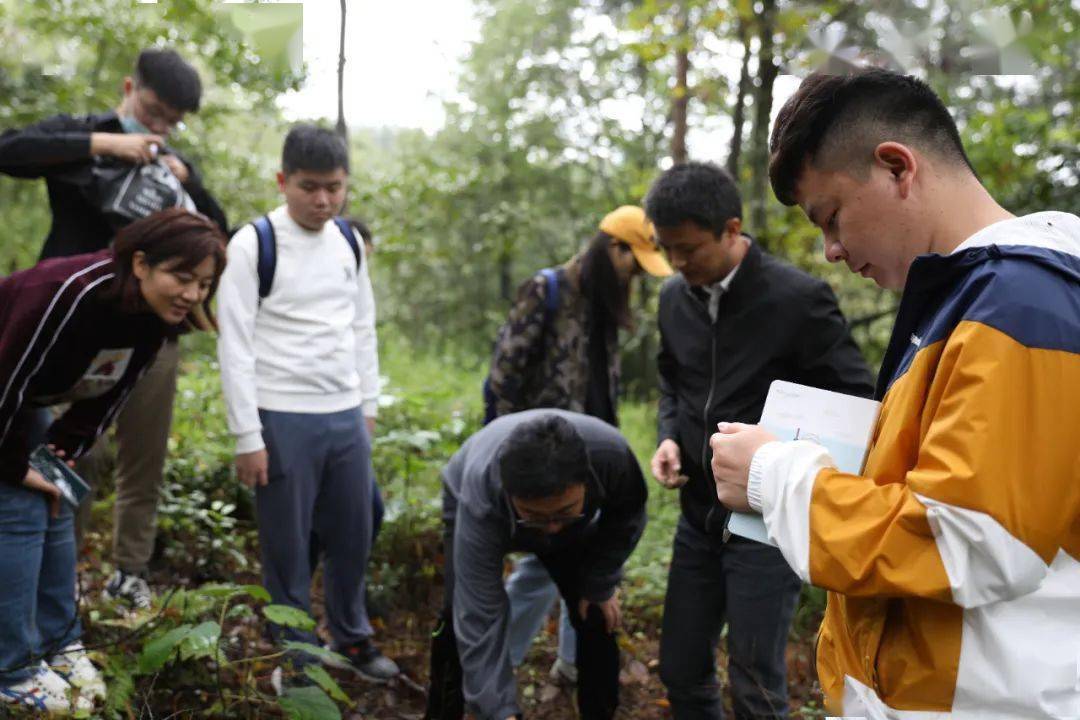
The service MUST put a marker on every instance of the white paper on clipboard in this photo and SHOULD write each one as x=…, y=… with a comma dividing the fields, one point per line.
x=844, y=424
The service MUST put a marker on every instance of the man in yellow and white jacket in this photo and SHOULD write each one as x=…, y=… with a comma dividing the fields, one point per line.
x=953, y=562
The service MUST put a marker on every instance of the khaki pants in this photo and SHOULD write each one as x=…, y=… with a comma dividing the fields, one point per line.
x=142, y=438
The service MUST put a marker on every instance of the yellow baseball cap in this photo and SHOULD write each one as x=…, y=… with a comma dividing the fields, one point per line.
x=629, y=225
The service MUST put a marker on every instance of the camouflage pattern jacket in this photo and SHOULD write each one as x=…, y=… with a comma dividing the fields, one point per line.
x=544, y=362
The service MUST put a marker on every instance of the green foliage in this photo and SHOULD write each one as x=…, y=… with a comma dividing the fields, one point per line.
x=289, y=617
x=309, y=703
x=315, y=651
x=158, y=651
x=184, y=643
x=198, y=642
x=206, y=517
x=431, y=404
x=527, y=165
x=327, y=683
x=646, y=571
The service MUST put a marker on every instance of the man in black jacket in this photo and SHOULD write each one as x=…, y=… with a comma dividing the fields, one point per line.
x=64, y=150
x=732, y=320
x=73, y=154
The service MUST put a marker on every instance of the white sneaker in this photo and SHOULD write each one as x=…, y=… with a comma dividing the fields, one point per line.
x=44, y=690
x=130, y=588
x=73, y=664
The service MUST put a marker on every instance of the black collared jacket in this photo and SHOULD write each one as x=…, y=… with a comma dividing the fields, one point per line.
x=775, y=322
x=58, y=150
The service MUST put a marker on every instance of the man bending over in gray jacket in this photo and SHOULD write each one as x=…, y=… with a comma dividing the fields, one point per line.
x=566, y=487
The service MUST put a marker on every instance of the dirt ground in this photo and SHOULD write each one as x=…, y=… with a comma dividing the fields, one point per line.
x=405, y=636
x=403, y=633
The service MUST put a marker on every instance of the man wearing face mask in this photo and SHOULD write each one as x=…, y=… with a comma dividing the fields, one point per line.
x=566, y=487
x=63, y=150
x=73, y=154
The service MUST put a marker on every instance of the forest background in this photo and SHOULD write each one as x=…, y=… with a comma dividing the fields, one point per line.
x=564, y=110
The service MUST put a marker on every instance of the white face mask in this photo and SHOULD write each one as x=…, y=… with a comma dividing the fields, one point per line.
x=131, y=125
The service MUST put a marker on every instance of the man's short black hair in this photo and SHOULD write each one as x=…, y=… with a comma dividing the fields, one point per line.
x=697, y=192
x=312, y=148
x=173, y=79
x=543, y=458
x=837, y=121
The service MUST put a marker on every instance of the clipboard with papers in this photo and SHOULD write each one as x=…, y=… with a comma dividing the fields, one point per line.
x=843, y=424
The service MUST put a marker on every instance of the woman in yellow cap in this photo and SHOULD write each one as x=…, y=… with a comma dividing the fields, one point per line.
x=559, y=349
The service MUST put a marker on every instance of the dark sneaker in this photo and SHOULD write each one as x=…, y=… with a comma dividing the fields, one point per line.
x=129, y=588
x=366, y=660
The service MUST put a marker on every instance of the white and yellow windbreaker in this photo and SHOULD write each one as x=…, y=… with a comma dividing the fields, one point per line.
x=953, y=562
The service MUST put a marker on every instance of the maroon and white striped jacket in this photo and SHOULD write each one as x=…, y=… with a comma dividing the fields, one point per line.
x=63, y=339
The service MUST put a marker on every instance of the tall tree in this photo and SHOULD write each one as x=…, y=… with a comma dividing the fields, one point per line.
x=680, y=98
x=342, y=129
x=760, y=194
x=738, y=112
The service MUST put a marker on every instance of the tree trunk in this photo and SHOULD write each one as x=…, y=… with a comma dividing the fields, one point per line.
x=342, y=129
x=506, y=277
x=681, y=96
x=763, y=99
x=738, y=116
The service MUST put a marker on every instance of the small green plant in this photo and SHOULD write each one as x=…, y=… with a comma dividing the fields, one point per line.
x=197, y=642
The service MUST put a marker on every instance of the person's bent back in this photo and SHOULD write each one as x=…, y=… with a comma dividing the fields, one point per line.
x=559, y=484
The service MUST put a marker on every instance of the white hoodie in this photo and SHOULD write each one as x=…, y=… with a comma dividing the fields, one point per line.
x=310, y=346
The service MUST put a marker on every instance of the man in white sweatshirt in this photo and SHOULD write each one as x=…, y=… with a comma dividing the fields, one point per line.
x=300, y=372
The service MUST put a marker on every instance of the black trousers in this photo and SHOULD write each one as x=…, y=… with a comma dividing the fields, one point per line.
x=597, y=650
x=748, y=585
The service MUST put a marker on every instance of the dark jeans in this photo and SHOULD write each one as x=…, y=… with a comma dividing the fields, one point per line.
x=748, y=585
x=597, y=650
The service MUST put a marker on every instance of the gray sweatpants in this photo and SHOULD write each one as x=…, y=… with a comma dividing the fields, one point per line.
x=319, y=489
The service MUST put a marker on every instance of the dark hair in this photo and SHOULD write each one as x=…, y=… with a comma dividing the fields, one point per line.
x=836, y=121
x=361, y=227
x=701, y=193
x=608, y=298
x=310, y=147
x=173, y=234
x=542, y=458
x=173, y=79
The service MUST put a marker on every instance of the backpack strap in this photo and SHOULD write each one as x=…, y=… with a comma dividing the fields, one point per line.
x=267, y=250
x=267, y=257
x=551, y=297
x=350, y=237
